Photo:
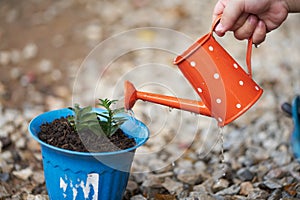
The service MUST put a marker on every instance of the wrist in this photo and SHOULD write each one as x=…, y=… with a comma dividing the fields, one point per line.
x=293, y=5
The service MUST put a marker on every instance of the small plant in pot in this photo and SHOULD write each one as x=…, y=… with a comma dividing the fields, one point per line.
x=87, y=152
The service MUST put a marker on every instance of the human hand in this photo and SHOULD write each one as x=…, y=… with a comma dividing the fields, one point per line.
x=248, y=18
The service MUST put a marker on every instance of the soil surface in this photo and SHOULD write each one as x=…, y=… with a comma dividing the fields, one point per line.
x=60, y=133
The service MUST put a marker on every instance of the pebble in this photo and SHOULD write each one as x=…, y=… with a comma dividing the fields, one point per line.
x=37, y=197
x=189, y=178
x=38, y=176
x=258, y=194
x=199, y=196
x=93, y=32
x=246, y=188
x=275, y=174
x=132, y=187
x=232, y=190
x=4, y=58
x=172, y=186
x=138, y=197
x=271, y=184
x=45, y=65
x=23, y=174
x=21, y=143
x=30, y=51
x=3, y=192
x=4, y=177
x=245, y=174
x=220, y=184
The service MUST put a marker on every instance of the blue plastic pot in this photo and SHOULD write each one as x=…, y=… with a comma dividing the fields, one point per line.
x=74, y=175
x=295, y=139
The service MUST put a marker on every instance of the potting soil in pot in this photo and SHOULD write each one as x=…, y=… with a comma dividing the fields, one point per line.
x=61, y=134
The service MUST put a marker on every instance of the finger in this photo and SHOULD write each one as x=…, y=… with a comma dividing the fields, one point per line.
x=219, y=7
x=231, y=14
x=259, y=34
x=247, y=29
x=220, y=29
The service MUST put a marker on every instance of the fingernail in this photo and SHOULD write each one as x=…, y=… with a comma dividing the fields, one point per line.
x=219, y=28
x=252, y=19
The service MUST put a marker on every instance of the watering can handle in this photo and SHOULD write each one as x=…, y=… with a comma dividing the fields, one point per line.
x=249, y=47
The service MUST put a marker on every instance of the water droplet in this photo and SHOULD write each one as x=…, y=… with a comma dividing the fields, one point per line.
x=173, y=164
x=130, y=113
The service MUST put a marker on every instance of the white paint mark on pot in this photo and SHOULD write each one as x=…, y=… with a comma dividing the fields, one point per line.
x=193, y=64
x=89, y=187
x=63, y=185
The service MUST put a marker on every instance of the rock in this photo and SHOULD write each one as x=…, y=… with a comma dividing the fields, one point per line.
x=220, y=184
x=45, y=66
x=132, y=187
x=62, y=91
x=152, y=181
x=3, y=192
x=138, y=197
x=271, y=184
x=54, y=103
x=23, y=174
x=281, y=158
x=15, y=73
x=15, y=56
x=275, y=195
x=245, y=174
x=189, y=178
x=172, y=186
x=258, y=194
x=4, y=177
x=151, y=186
x=30, y=51
x=232, y=190
x=200, y=166
x=199, y=196
x=4, y=58
x=246, y=188
x=159, y=166
x=93, y=32
x=7, y=156
x=38, y=176
x=37, y=197
x=20, y=143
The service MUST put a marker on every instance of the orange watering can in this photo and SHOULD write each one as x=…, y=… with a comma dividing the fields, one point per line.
x=226, y=90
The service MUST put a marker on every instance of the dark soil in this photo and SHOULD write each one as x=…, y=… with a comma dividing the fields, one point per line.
x=60, y=133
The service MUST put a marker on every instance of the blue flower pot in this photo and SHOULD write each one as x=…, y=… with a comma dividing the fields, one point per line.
x=295, y=138
x=74, y=175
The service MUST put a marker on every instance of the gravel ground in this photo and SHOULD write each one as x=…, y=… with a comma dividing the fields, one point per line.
x=49, y=59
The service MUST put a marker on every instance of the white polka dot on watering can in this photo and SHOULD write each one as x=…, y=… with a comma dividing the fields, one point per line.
x=193, y=64
x=216, y=76
x=241, y=82
x=210, y=48
x=218, y=101
x=238, y=105
x=257, y=88
x=235, y=65
x=199, y=90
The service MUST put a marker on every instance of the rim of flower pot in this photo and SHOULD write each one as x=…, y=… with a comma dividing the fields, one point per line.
x=33, y=130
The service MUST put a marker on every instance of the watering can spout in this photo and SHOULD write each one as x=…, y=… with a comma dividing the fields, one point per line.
x=132, y=95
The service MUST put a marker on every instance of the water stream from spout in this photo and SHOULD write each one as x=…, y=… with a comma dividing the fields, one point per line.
x=222, y=157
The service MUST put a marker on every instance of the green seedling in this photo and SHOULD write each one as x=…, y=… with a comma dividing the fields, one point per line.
x=105, y=123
